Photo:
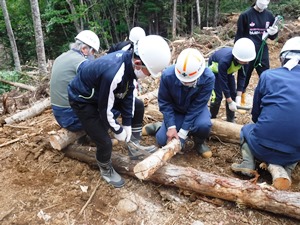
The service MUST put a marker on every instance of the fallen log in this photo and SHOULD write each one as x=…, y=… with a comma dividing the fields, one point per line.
x=226, y=131
x=243, y=192
x=280, y=178
x=148, y=97
x=62, y=138
x=20, y=85
x=149, y=165
x=34, y=110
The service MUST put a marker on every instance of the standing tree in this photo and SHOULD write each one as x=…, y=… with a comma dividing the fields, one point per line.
x=174, y=19
x=198, y=14
x=40, y=50
x=11, y=36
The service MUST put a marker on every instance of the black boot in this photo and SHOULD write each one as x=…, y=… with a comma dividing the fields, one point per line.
x=201, y=148
x=229, y=114
x=214, y=108
x=110, y=175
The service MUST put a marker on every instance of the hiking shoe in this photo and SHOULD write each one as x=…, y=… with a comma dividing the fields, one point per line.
x=136, y=150
x=151, y=128
x=110, y=175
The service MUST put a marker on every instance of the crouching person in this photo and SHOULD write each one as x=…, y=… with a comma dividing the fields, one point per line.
x=104, y=88
x=184, y=91
x=274, y=137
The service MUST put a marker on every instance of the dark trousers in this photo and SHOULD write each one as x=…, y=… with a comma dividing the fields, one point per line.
x=97, y=129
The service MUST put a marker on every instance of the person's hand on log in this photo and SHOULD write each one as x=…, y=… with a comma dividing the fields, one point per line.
x=172, y=133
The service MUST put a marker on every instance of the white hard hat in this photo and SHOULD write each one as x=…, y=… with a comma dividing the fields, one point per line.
x=136, y=34
x=291, y=46
x=190, y=65
x=89, y=38
x=244, y=50
x=155, y=53
x=262, y=4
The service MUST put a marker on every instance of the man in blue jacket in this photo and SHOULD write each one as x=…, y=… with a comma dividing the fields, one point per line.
x=224, y=63
x=274, y=137
x=105, y=86
x=184, y=91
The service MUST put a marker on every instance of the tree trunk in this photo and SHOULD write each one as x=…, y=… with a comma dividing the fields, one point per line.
x=243, y=192
x=198, y=14
x=11, y=36
x=216, y=13
x=42, y=64
x=77, y=25
x=20, y=85
x=174, y=20
x=34, y=110
x=226, y=131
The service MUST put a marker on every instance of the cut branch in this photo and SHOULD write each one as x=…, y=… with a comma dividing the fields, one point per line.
x=20, y=85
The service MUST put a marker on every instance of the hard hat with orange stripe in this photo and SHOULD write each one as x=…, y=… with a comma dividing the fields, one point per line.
x=190, y=65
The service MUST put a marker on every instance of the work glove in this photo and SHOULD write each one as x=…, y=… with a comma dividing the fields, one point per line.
x=121, y=136
x=128, y=131
x=272, y=30
x=232, y=106
x=238, y=100
x=182, y=134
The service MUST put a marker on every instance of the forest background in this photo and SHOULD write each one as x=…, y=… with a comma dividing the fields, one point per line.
x=43, y=29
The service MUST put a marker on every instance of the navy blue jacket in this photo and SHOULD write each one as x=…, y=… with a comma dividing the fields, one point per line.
x=173, y=96
x=108, y=83
x=276, y=110
x=222, y=63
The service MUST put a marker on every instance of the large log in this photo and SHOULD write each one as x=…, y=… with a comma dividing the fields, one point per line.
x=149, y=165
x=62, y=138
x=243, y=192
x=226, y=131
x=34, y=110
x=20, y=85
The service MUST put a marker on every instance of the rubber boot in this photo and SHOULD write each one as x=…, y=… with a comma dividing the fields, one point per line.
x=110, y=175
x=289, y=169
x=201, y=148
x=214, y=109
x=229, y=114
x=136, y=150
x=151, y=128
x=247, y=164
x=243, y=99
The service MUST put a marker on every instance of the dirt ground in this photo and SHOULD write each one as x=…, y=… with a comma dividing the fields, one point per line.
x=39, y=185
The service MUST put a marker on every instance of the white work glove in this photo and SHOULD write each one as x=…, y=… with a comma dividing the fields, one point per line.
x=183, y=133
x=128, y=131
x=121, y=136
x=272, y=30
x=238, y=100
x=232, y=106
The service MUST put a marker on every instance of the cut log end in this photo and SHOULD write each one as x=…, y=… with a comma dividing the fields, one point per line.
x=282, y=183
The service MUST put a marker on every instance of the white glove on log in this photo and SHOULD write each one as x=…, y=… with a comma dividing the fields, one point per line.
x=238, y=100
x=121, y=136
x=183, y=133
x=232, y=106
x=128, y=131
x=272, y=30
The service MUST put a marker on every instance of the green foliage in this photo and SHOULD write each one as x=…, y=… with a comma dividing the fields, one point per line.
x=8, y=76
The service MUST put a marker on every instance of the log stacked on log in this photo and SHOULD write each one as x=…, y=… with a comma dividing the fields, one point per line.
x=243, y=192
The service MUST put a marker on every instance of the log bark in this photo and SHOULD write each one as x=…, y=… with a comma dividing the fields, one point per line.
x=149, y=165
x=63, y=138
x=226, y=131
x=20, y=85
x=34, y=110
x=243, y=192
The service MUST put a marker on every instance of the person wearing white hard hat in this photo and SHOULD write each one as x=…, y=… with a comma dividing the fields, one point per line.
x=274, y=137
x=224, y=63
x=104, y=87
x=135, y=34
x=184, y=92
x=256, y=23
x=63, y=71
